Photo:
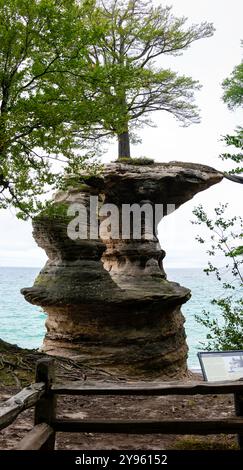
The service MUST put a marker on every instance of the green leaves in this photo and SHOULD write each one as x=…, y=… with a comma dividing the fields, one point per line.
x=44, y=102
x=237, y=251
x=226, y=329
x=73, y=73
x=237, y=142
x=233, y=88
x=233, y=96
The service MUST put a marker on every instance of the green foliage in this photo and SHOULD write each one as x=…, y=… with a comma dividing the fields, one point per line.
x=236, y=141
x=45, y=104
x=226, y=333
x=143, y=161
x=79, y=172
x=233, y=87
x=131, y=85
x=225, y=330
x=53, y=210
x=233, y=96
x=223, y=442
x=74, y=72
x=237, y=251
x=17, y=365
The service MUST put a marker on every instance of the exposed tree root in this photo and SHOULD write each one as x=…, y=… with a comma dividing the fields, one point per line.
x=17, y=367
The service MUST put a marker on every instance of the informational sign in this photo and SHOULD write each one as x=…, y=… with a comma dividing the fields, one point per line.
x=220, y=366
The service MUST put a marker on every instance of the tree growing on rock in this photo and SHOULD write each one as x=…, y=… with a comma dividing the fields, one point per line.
x=134, y=84
x=75, y=70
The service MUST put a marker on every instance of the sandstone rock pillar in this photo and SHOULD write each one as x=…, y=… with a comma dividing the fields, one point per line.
x=108, y=302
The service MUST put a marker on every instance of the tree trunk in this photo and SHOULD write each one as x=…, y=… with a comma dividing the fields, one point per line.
x=124, y=145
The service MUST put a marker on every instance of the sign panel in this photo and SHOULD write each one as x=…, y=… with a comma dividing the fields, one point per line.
x=220, y=366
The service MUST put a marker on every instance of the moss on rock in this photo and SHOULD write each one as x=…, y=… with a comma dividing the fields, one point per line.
x=136, y=161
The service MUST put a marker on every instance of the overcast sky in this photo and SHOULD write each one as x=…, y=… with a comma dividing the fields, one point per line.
x=210, y=61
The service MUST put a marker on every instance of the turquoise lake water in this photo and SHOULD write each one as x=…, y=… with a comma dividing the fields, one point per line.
x=24, y=324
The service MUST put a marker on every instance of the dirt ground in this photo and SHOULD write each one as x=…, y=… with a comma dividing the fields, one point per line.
x=124, y=408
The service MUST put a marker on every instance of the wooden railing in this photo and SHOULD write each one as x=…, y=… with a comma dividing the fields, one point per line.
x=43, y=395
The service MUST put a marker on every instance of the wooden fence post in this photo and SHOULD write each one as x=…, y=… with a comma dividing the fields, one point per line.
x=239, y=412
x=45, y=410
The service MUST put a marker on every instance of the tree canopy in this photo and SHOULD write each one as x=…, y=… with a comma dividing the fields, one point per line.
x=44, y=93
x=233, y=87
x=134, y=83
x=72, y=72
x=233, y=97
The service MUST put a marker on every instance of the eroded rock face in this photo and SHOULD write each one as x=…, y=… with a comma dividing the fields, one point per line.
x=108, y=301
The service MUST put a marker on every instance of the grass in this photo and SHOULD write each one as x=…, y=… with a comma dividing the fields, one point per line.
x=136, y=161
x=17, y=366
x=221, y=442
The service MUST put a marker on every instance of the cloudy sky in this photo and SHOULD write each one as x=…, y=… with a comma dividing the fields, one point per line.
x=210, y=61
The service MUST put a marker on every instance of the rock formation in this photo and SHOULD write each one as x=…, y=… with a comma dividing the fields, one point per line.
x=108, y=300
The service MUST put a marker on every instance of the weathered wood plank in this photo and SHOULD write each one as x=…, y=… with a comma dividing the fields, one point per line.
x=28, y=397
x=45, y=410
x=36, y=438
x=239, y=412
x=176, y=426
x=156, y=389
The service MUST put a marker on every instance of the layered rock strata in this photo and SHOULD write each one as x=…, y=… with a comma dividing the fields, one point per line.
x=108, y=300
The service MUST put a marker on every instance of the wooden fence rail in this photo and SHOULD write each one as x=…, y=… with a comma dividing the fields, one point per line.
x=174, y=426
x=144, y=389
x=37, y=438
x=25, y=399
x=43, y=395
